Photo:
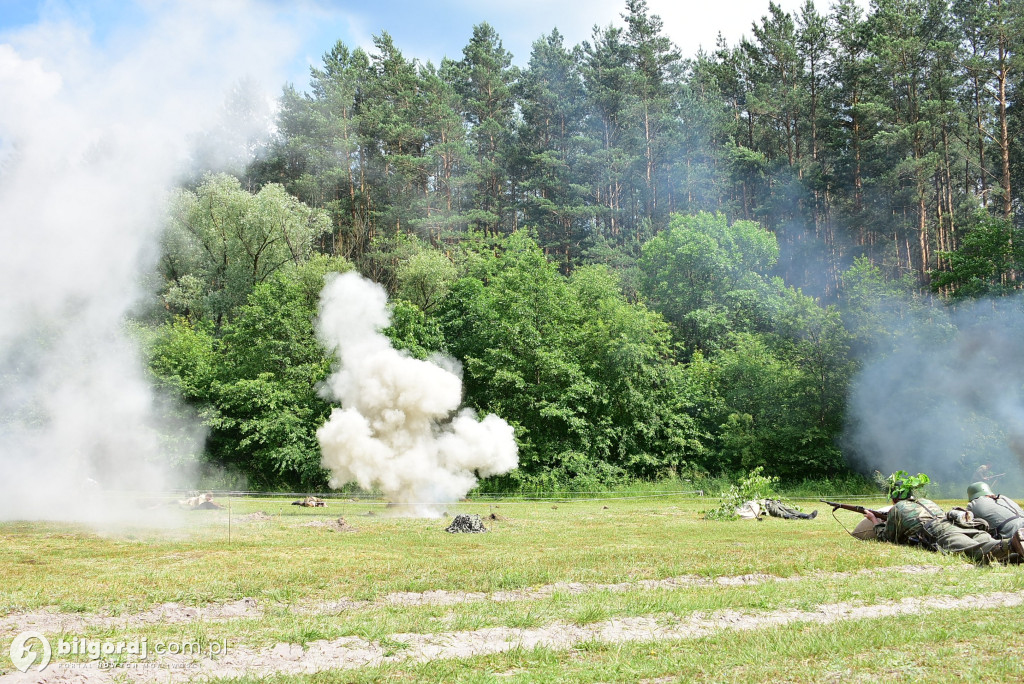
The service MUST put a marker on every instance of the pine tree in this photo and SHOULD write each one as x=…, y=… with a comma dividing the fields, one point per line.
x=552, y=119
x=394, y=139
x=486, y=79
x=653, y=109
x=606, y=75
x=448, y=151
x=318, y=155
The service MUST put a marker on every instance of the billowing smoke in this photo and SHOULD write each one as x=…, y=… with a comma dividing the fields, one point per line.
x=947, y=397
x=399, y=429
x=94, y=129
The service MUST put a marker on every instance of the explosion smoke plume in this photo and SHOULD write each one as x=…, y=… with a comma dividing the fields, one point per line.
x=94, y=130
x=399, y=428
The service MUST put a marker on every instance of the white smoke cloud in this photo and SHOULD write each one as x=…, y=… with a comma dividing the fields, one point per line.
x=94, y=129
x=399, y=429
x=947, y=397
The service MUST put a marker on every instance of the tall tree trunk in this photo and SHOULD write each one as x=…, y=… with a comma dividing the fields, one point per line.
x=981, y=141
x=1004, y=132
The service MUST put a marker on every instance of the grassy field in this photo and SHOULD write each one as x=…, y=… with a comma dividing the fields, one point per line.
x=555, y=591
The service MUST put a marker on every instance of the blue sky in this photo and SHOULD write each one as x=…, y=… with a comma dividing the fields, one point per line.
x=425, y=30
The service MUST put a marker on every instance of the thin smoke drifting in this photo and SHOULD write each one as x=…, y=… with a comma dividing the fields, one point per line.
x=399, y=429
x=92, y=136
x=947, y=397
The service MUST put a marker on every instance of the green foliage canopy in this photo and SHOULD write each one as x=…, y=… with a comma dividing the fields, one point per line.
x=222, y=240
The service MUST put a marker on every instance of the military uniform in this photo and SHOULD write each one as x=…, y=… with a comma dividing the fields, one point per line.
x=777, y=509
x=921, y=522
x=1003, y=515
x=751, y=510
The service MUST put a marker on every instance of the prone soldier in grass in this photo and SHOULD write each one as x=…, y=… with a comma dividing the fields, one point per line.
x=922, y=522
x=1003, y=515
x=755, y=509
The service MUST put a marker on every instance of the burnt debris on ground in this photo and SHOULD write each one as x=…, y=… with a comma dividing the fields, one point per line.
x=465, y=522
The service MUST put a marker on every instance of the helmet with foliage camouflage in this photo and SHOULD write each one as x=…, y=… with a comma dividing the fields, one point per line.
x=901, y=484
x=976, y=489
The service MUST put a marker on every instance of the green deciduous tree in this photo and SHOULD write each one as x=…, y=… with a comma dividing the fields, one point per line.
x=588, y=379
x=425, y=278
x=264, y=407
x=221, y=240
x=989, y=261
x=692, y=271
x=255, y=387
x=642, y=413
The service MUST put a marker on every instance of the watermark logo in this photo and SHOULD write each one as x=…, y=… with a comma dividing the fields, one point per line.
x=109, y=654
x=23, y=651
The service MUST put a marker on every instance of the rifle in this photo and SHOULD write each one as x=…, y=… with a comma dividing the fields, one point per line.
x=881, y=515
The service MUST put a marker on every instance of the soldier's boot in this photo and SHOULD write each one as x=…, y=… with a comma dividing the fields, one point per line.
x=1017, y=543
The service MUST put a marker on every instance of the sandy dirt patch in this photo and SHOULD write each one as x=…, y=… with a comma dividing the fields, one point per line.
x=53, y=622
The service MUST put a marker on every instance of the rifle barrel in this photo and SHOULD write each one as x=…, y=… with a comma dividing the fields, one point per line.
x=881, y=515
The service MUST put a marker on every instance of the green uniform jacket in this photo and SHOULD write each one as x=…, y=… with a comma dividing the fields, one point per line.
x=906, y=522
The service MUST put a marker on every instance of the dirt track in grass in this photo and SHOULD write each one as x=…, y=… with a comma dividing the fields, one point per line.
x=355, y=652
x=52, y=621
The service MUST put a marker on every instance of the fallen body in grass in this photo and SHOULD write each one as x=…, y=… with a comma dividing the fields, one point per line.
x=755, y=510
x=203, y=502
x=310, y=502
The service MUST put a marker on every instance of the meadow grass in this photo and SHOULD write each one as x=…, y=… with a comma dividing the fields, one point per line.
x=290, y=568
x=77, y=569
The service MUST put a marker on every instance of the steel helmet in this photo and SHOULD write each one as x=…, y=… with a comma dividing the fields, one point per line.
x=976, y=489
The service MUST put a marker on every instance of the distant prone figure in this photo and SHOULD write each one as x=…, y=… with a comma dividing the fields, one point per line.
x=203, y=502
x=755, y=510
x=310, y=502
